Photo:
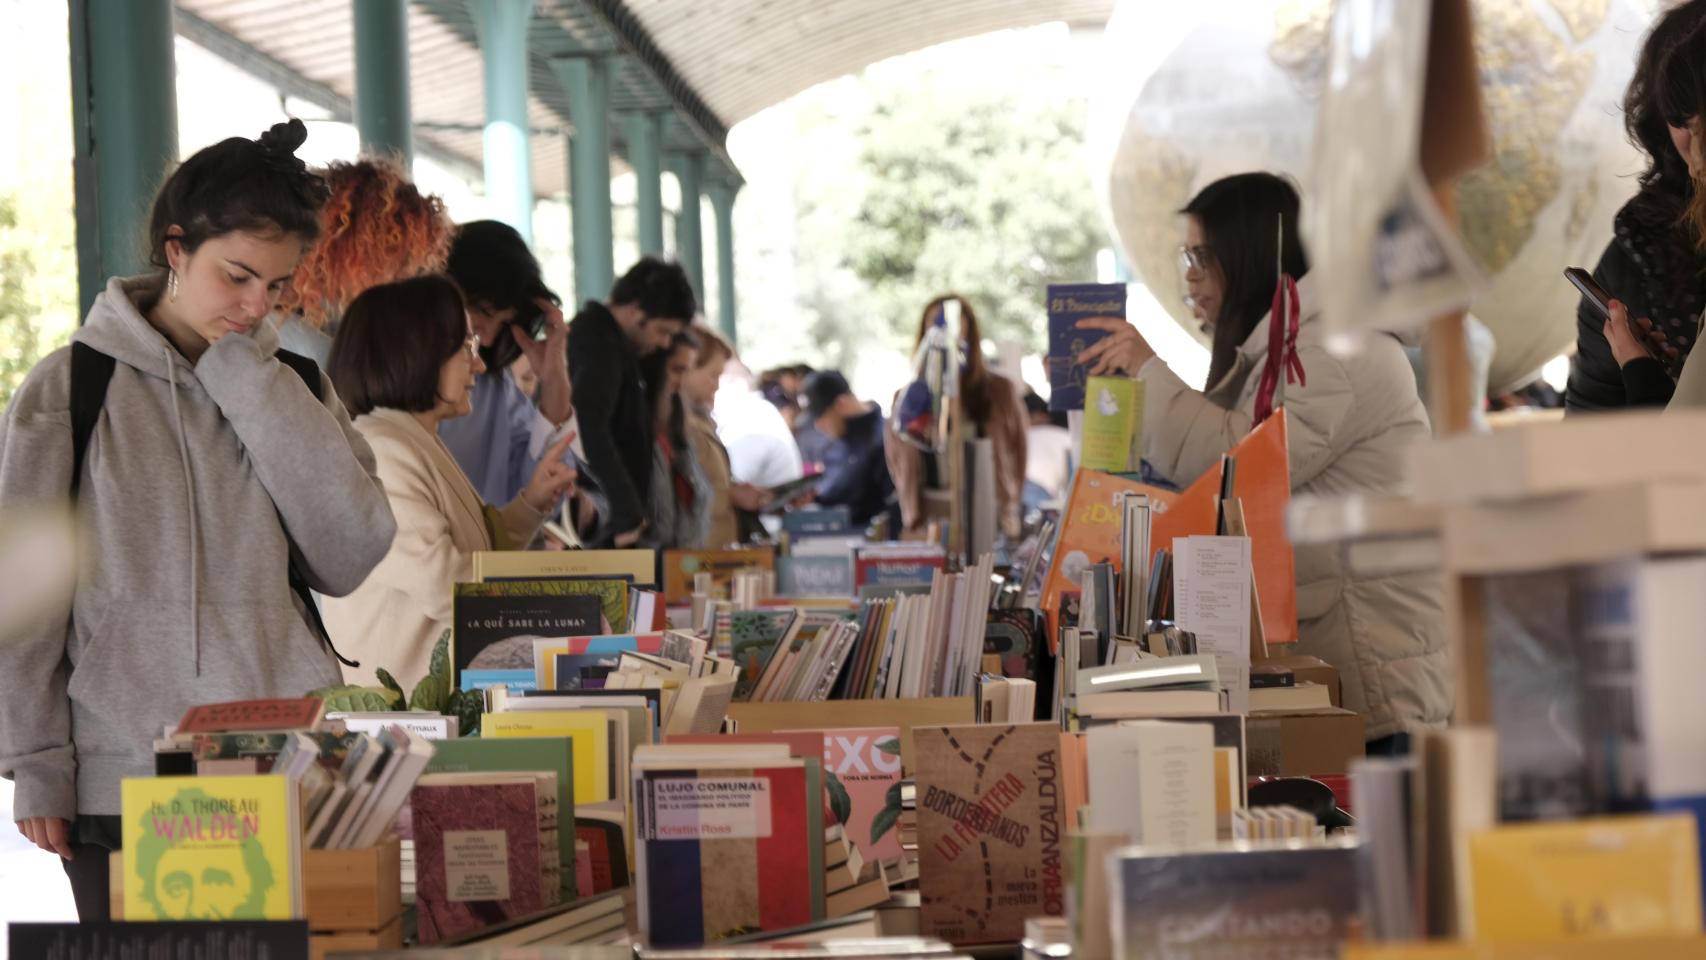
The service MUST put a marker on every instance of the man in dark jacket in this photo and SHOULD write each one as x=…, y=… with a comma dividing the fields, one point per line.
x=855, y=472
x=650, y=305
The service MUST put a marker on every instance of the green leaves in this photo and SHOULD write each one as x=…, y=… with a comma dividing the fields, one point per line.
x=889, y=815
x=432, y=694
x=390, y=683
x=840, y=803
x=891, y=746
x=354, y=699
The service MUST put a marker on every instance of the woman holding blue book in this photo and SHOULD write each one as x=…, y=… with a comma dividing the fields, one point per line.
x=1349, y=420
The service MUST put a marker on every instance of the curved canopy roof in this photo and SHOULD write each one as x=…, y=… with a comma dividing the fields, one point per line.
x=744, y=55
x=707, y=64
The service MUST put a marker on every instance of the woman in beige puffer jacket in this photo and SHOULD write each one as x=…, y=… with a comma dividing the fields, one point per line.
x=1348, y=428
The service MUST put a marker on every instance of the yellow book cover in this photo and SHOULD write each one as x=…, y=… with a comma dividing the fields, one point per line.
x=641, y=565
x=1113, y=415
x=588, y=730
x=1606, y=877
x=211, y=848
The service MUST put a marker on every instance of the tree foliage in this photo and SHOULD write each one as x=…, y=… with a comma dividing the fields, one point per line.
x=981, y=189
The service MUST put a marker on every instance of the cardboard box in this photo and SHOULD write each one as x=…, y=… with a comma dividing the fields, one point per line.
x=1302, y=744
x=1311, y=670
x=823, y=714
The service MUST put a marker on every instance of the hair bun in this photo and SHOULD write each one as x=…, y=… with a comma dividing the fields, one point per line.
x=282, y=139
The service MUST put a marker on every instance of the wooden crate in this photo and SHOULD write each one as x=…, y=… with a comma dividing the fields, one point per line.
x=354, y=898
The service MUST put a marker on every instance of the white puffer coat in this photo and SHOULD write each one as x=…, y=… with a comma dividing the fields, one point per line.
x=1348, y=430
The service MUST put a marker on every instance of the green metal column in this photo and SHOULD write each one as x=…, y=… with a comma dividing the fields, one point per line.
x=125, y=127
x=645, y=145
x=689, y=242
x=502, y=29
x=587, y=80
x=382, y=109
x=723, y=204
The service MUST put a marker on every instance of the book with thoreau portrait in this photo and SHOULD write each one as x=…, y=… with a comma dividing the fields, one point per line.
x=990, y=829
x=212, y=848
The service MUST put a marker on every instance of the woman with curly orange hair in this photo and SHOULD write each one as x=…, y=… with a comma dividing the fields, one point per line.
x=375, y=228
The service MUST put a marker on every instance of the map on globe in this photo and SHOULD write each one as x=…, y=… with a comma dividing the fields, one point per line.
x=1227, y=86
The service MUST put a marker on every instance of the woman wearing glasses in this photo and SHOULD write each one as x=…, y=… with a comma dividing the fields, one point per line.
x=405, y=361
x=1349, y=420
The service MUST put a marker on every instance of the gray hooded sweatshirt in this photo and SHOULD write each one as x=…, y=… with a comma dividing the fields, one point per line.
x=192, y=476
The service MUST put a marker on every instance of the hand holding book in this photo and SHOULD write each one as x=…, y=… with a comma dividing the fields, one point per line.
x=1121, y=350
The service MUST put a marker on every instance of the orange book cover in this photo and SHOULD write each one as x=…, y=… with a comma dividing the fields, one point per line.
x=1074, y=778
x=1090, y=534
x=239, y=715
x=1091, y=531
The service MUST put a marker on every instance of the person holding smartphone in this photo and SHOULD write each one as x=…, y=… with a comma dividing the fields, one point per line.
x=509, y=305
x=1654, y=263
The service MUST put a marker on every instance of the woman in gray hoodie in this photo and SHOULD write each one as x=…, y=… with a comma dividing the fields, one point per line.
x=214, y=474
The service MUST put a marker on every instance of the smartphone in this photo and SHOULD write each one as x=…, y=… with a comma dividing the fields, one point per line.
x=1591, y=290
x=1596, y=297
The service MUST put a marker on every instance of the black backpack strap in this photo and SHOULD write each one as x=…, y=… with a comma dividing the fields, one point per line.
x=91, y=370
x=309, y=371
x=305, y=368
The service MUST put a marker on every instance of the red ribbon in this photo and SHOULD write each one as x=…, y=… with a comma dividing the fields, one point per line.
x=1283, y=321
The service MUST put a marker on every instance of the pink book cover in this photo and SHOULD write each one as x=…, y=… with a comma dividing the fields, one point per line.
x=477, y=857
x=864, y=763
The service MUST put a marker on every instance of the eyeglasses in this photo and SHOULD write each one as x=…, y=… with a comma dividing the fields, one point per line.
x=1198, y=258
x=472, y=344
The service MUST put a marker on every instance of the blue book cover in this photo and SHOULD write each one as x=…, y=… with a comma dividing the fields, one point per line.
x=1069, y=303
x=517, y=680
x=817, y=520
x=809, y=576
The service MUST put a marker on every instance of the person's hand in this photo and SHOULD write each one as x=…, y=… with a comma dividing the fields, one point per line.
x=747, y=497
x=1620, y=333
x=551, y=479
x=49, y=833
x=630, y=538
x=549, y=359
x=1123, y=350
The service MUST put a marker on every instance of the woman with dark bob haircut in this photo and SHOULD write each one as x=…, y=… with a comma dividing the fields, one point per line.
x=405, y=359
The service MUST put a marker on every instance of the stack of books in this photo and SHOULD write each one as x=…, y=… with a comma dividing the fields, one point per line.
x=354, y=784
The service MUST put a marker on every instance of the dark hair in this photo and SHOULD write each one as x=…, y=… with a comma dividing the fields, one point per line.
x=393, y=341
x=492, y=264
x=238, y=184
x=1650, y=104
x=1240, y=216
x=659, y=288
x=974, y=379
x=654, y=371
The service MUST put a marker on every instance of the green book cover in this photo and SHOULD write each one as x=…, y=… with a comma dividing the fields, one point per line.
x=753, y=638
x=521, y=755
x=1113, y=415
x=814, y=817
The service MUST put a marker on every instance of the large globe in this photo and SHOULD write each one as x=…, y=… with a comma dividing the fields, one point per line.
x=1225, y=86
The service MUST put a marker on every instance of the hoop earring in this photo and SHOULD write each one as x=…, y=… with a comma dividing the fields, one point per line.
x=172, y=285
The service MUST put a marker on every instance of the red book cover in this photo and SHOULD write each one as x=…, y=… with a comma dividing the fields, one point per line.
x=478, y=856
x=237, y=715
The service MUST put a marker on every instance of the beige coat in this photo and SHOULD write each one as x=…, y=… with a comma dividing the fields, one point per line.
x=394, y=618
x=1348, y=430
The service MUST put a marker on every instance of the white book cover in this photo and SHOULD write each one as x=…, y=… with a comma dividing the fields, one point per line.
x=1153, y=781
x=1212, y=578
